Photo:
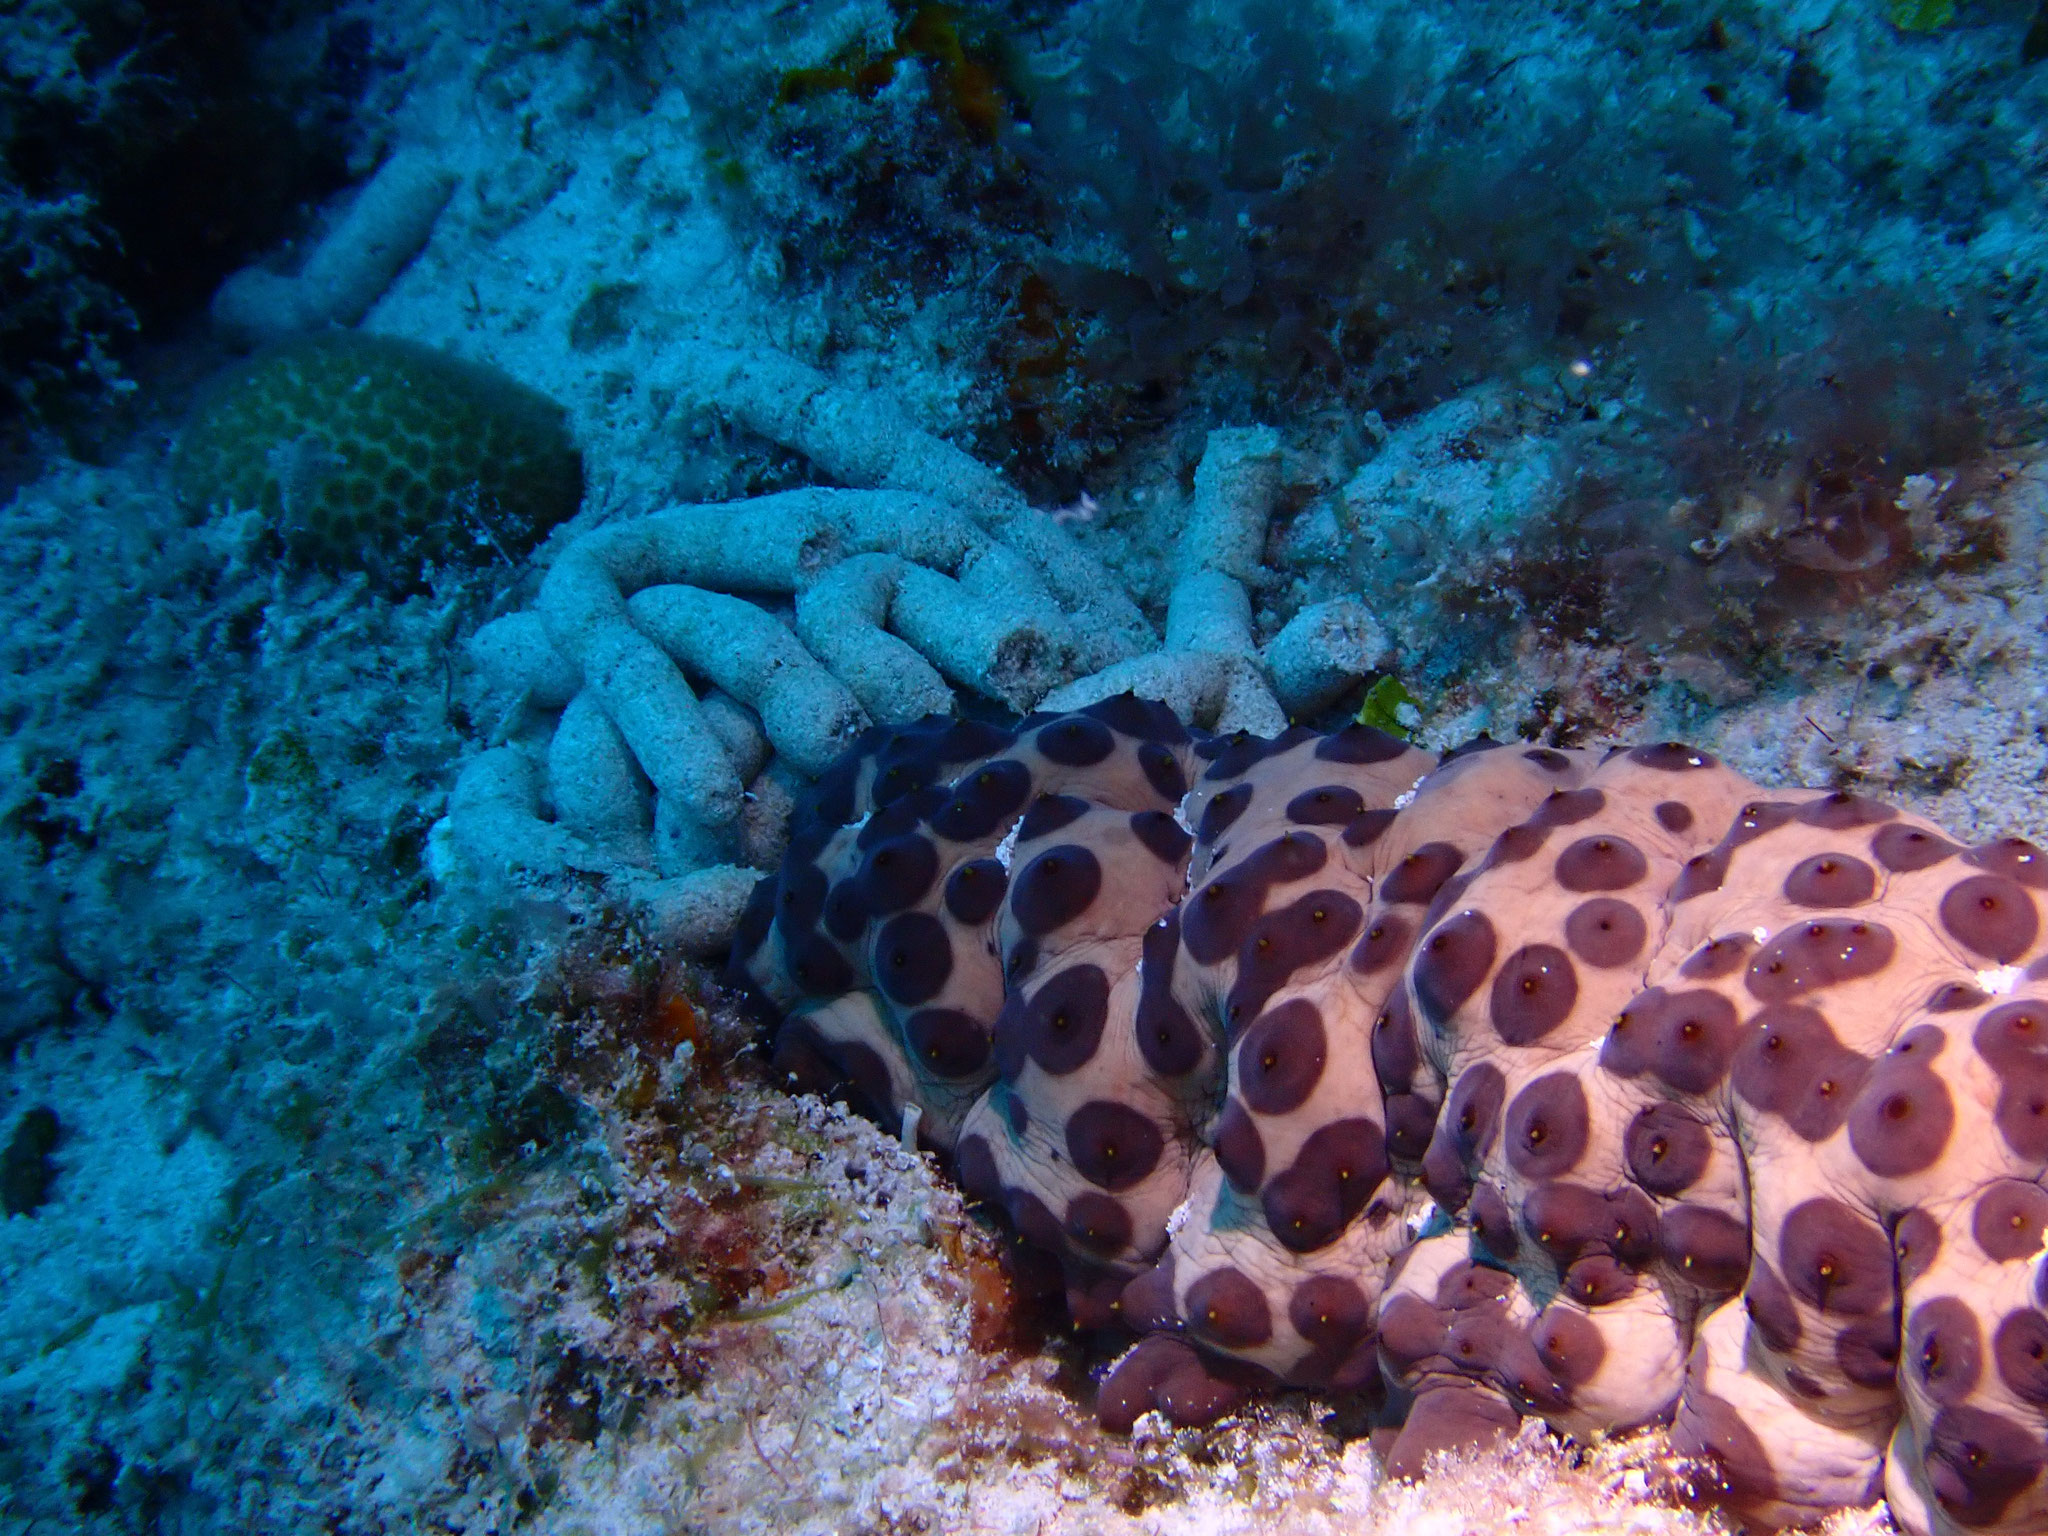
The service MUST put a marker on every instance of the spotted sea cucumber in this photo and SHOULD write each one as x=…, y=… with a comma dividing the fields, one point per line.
x=1608, y=1089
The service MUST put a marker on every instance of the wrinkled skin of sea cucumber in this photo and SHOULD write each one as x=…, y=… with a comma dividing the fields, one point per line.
x=1608, y=1089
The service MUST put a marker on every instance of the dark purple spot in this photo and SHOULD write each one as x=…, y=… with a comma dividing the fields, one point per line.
x=1411, y=1120
x=1606, y=932
x=1451, y=965
x=1674, y=816
x=1700, y=874
x=1228, y=1310
x=1944, y=1348
x=1330, y=1312
x=1549, y=760
x=1034, y=1220
x=1903, y=849
x=1368, y=827
x=2009, y=1218
x=1791, y=1065
x=1076, y=742
x=1916, y=1243
x=983, y=801
x=1533, y=994
x=820, y=969
x=1221, y=811
x=846, y=915
x=1240, y=753
x=913, y=958
x=1112, y=1144
x=1146, y=719
x=1098, y=1223
x=1280, y=1060
x=1671, y=756
x=1831, y=880
x=1148, y=1304
x=1772, y=1311
x=1309, y=1203
x=1416, y=878
x=2013, y=857
x=1449, y=1418
x=1059, y=1025
x=975, y=890
x=2020, y=1347
x=1493, y=1223
x=897, y=816
x=1867, y=1351
x=1168, y=1038
x=1840, y=811
x=897, y=873
x=1385, y=943
x=1668, y=1148
x=1823, y=953
x=1328, y=805
x=1240, y=1151
x=1707, y=1247
x=1048, y=814
x=1598, y=1280
x=799, y=897
x=1978, y=1463
x=1359, y=744
x=1396, y=1057
x=1569, y=1344
x=1718, y=957
x=975, y=1167
x=1056, y=887
x=1991, y=916
x=947, y=1042
x=1164, y=837
x=1547, y=1126
x=1713, y=1432
x=1566, y=808
x=1163, y=772
x=1956, y=997
x=1902, y=1117
x=1836, y=1260
x=1600, y=864
x=1304, y=934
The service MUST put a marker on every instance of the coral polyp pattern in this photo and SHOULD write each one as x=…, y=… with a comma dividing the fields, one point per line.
x=1609, y=1089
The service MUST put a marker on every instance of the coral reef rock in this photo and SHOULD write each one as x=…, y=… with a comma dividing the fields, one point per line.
x=1608, y=1090
x=372, y=453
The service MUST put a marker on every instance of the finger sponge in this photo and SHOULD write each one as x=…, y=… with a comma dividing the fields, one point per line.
x=374, y=453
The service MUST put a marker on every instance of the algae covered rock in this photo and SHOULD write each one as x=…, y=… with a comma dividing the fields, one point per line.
x=374, y=453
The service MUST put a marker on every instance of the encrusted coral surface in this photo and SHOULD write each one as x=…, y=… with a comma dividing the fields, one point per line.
x=375, y=453
x=1612, y=1091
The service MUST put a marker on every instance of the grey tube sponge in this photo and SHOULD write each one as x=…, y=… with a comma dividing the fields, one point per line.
x=859, y=437
x=1210, y=612
x=1236, y=484
x=1323, y=650
x=349, y=270
x=494, y=833
x=599, y=792
x=520, y=663
x=843, y=617
x=808, y=713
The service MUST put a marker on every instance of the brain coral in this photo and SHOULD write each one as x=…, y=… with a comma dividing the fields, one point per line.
x=1611, y=1090
x=374, y=453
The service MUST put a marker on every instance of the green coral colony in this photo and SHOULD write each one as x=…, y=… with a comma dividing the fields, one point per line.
x=373, y=453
